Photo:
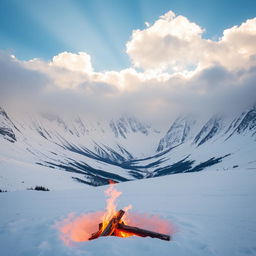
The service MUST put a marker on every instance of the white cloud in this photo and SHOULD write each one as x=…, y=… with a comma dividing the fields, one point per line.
x=80, y=62
x=175, y=44
x=66, y=70
x=147, y=24
x=224, y=75
x=238, y=45
x=168, y=43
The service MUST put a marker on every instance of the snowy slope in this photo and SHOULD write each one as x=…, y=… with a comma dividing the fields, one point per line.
x=121, y=149
x=193, y=145
x=95, y=150
x=212, y=213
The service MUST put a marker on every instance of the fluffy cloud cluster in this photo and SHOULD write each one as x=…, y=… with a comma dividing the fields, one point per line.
x=80, y=62
x=182, y=72
x=167, y=43
x=176, y=44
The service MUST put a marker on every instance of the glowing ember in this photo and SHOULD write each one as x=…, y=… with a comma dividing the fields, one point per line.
x=79, y=229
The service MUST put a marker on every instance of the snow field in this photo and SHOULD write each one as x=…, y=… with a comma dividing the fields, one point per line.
x=213, y=213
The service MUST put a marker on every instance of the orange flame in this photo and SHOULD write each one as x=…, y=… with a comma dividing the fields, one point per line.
x=79, y=229
x=112, y=195
x=111, y=182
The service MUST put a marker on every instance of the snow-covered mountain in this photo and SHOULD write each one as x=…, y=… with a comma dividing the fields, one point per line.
x=121, y=149
x=179, y=132
x=92, y=151
x=223, y=141
x=7, y=128
x=183, y=129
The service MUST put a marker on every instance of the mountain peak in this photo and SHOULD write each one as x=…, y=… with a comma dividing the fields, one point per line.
x=124, y=125
x=209, y=130
x=178, y=133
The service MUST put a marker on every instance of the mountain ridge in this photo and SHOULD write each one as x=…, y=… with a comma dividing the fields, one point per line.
x=114, y=149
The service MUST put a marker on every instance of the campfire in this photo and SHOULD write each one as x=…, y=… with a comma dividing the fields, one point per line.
x=116, y=227
x=112, y=222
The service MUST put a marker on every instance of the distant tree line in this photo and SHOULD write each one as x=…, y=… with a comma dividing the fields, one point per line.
x=39, y=188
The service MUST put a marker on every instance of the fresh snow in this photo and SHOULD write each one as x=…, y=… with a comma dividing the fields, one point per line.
x=19, y=175
x=212, y=213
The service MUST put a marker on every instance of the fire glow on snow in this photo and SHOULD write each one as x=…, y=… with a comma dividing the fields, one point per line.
x=80, y=228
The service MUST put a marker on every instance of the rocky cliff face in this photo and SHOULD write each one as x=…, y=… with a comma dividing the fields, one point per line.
x=7, y=128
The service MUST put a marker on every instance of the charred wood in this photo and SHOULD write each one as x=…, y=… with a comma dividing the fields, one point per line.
x=142, y=232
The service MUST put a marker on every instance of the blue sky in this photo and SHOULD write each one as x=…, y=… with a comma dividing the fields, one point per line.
x=42, y=29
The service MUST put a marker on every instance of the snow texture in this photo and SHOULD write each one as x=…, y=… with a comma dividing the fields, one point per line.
x=213, y=214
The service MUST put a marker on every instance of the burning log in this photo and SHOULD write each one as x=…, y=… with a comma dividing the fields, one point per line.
x=112, y=225
x=115, y=225
x=97, y=234
x=142, y=232
x=110, y=228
